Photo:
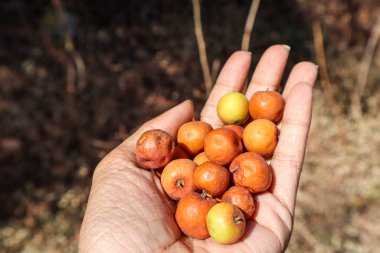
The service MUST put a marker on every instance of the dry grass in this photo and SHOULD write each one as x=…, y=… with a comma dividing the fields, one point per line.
x=339, y=194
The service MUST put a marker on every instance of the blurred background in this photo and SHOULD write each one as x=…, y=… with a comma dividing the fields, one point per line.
x=76, y=77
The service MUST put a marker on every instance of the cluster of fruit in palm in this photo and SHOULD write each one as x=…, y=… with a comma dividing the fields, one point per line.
x=215, y=174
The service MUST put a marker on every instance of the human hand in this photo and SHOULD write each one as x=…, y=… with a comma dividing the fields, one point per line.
x=128, y=211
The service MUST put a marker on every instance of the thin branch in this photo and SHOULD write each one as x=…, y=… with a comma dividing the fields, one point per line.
x=76, y=68
x=81, y=69
x=321, y=58
x=201, y=45
x=367, y=58
x=249, y=24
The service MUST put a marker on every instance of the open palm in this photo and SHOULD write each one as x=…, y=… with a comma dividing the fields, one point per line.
x=128, y=211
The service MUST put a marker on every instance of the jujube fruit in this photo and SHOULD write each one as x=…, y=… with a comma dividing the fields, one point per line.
x=199, y=215
x=200, y=158
x=211, y=177
x=251, y=171
x=226, y=223
x=154, y=149
x=237, y=129
x=180, y=154
x=267, y=105
x=191, y=215
x=242, y=198
x=191, y=136
x=177, y=178
x=261, y=136
x=222, y=145
x=233, y=108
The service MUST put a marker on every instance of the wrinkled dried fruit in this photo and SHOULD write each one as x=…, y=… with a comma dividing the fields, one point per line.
x=222, y=145
x=242, y=198
x=154, y=149
x=212, y=178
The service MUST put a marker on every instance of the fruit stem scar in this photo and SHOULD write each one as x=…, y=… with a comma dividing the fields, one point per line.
x=236, y=168
x=204, y=194
x=237, y=219
x=179, y=183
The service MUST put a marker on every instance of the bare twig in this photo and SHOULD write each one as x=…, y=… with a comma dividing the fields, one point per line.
x=321, y=58
x=201, y=45
x=367, y=58
x=75, y=67
x=249, y=24
x=356, y=107
x=81, y=69
x=55, y=53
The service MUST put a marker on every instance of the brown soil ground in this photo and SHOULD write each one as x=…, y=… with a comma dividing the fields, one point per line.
x=141, y=58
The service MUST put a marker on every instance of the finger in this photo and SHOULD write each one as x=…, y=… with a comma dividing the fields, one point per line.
x=269, y=70
x=301, y=72
x=289, y=154
x=232, y=78
x=169, y=121
x=271, y=214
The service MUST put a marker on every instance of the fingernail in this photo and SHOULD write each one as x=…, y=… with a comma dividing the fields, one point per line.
x=191, y=103
x=317, y=66
x=287, y=47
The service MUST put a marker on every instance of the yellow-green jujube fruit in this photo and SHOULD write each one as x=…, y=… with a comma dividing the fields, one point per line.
x=233, y=108
x=225, y=223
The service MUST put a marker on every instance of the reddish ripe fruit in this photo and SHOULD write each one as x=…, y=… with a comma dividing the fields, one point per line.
x=180, y=154
x=200, y=158
x=242, y=198
x=222, y=145
x=267, y=105
x=237, y=129
x=191, y=215
x=211, y=177
x=260, y=136
x=251, y=171
x=154, y=149
x=191, y=136
x=177, y=178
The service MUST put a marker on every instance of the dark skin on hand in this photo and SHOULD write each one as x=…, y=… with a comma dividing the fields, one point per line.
x=128, y=210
